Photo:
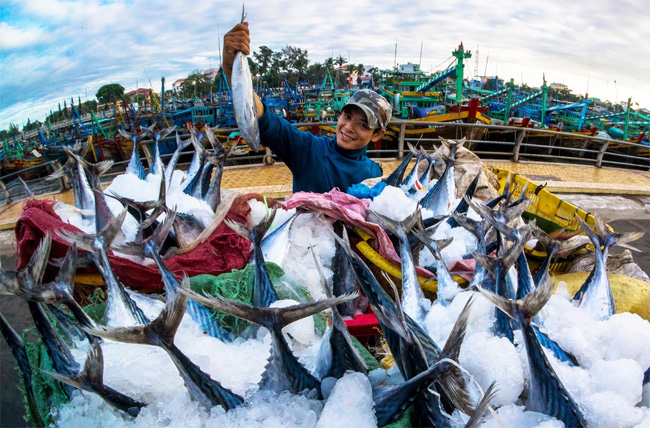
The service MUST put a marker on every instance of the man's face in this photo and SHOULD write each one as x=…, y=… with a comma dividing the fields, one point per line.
x=352, y=130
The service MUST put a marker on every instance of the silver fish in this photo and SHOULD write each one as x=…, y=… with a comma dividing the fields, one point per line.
x=283, y=371
x=595, y=294
x=411, y=356
x=120, y=308
x=160, y=332
x=337, y=354
x=276, y=244
x=243, y=99
x=396, y=177
x=150, y=248
x=17, y=347
x=546, y=393
x=263, y=291
x=198, y=160
x=91, y=379
x=171, y=165
x=442, y=196
x=157, y=165
x=135, y=165
x=447, y=286
x=415, y=304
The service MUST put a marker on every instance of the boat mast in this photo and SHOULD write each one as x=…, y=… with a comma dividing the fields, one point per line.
x=460, y=55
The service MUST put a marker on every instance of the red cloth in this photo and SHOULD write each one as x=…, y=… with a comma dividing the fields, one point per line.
x=222, y=252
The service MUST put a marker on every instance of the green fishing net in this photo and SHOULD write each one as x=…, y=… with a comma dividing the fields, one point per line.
x=238, y=285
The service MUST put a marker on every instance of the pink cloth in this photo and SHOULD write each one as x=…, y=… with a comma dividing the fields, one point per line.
x=353, y=212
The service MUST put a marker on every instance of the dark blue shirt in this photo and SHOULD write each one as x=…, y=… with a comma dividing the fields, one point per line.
x=318, y=164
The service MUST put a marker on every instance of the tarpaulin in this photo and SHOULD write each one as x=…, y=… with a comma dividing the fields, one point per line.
x=222, y=251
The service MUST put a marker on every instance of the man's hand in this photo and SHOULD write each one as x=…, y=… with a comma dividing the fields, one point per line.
x=237, y=39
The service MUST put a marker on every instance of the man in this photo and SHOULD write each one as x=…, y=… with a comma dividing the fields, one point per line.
x=319, y=164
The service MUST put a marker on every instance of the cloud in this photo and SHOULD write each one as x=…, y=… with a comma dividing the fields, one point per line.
x=12, y=38
x=54, y=50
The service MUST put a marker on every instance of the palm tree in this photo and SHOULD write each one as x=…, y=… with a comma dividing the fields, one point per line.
x=340, y=61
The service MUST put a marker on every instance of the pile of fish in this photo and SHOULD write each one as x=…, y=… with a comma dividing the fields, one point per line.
x=196, y=194
x=430, y=384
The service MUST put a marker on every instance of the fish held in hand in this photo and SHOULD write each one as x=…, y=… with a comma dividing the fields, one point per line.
x=244, y=99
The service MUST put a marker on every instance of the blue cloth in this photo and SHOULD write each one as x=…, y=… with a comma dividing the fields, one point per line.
x=318, y=164
x=361, y=191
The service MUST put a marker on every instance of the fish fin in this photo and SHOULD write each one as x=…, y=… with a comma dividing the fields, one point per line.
x=393, y=225
x=35, y=269
x=593, y=237
x=151, y=218
x=630, y=237
x=451, y=379
x=473, y=226
x=9, y=283
x=165, y=132
x=110, y=231
x=83, y=240
x=238, y=228
x=195, y=138
x=507, y=306
x=209, y=133
x=103, y=166
x=487, y=262
x=127, y=135
x=68, y=380
x=267, y=317
x=68, y=269
x=134, y=334
x=156, y=239
x=477, y=416
x=57, y=174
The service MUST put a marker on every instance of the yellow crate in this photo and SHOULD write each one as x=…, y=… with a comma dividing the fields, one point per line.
x=550, y=212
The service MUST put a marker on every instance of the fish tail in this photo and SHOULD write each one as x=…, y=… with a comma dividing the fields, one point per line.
x=591, y=234
x=264, y=226
x=85, y=241
x=394, y=225
x=160, y=332
x=32, y=274
x=271, y=318
x=477, y=416
x=396, y=177
x=525, y=309
x=91, y=379
x=453, y=145
x=151, y=245
x=463, y=205
x=451, y=378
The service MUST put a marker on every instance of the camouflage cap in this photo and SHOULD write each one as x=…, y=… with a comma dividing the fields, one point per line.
x=377, y=109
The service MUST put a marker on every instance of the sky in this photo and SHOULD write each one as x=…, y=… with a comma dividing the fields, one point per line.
x=51, y=50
